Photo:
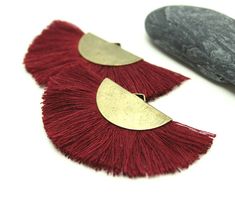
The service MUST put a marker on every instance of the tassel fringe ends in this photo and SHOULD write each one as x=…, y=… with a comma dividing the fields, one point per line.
x=56, y=50
x=53, y=50
x=76, y=127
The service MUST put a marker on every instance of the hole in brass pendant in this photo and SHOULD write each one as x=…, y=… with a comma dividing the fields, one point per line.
x=141, y=96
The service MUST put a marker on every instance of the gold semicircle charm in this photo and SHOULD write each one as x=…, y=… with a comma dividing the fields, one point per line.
x=99, y=51
x=125, y=109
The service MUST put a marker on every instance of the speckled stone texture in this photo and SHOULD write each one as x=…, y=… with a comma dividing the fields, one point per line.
x=199, y=37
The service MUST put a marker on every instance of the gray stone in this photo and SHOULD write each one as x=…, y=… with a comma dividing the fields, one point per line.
x=201, y=38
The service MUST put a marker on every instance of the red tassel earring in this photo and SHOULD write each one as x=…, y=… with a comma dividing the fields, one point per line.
x=97, y=122
x=63, y=45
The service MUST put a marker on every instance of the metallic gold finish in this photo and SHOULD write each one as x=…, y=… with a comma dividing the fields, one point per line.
x=125, y=109
x=99, y=51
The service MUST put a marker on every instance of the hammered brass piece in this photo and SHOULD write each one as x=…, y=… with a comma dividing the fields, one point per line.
x=125, y=109
x=99, y=51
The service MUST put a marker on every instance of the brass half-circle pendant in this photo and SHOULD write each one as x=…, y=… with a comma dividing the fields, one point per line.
x=127, y=110
x=99, y=51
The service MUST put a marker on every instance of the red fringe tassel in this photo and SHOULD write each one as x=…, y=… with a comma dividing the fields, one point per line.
x=56, y=49
x=76, y=127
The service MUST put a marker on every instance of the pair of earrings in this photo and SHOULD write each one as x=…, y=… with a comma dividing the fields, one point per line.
x=92, y=111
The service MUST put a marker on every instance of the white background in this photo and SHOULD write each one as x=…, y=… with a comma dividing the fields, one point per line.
x=31, y=168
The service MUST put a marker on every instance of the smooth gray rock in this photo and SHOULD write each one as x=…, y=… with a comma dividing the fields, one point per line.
x=201, y=38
